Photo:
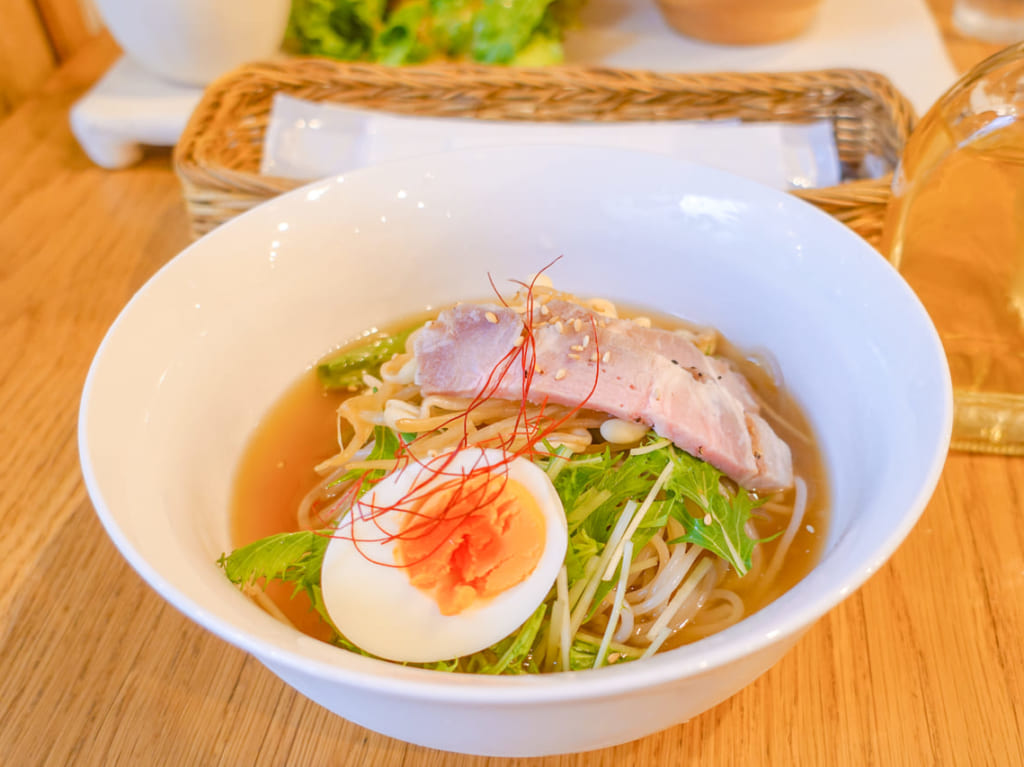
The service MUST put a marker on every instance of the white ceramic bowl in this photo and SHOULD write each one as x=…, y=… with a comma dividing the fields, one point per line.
x=197, y=356
x=195, y=41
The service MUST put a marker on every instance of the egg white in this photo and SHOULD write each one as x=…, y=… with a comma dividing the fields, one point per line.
x=378, y=609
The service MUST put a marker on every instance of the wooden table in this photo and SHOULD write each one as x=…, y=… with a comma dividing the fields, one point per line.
x=924, y=665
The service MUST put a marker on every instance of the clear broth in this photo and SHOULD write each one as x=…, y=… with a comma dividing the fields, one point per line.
x=300, y=430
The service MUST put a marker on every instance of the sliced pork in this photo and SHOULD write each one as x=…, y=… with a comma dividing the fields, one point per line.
x=654, y=376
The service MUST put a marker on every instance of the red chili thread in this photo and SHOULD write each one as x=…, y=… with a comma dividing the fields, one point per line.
x=427, y=485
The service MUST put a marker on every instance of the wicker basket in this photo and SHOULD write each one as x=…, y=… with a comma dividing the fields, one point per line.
x=218, y=156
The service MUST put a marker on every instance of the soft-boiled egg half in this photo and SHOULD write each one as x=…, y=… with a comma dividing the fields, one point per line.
x=445, y=557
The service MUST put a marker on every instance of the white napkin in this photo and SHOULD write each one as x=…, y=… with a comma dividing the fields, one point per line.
x=307, y=140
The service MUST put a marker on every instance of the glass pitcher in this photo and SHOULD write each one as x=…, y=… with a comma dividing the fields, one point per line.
x=955, y=230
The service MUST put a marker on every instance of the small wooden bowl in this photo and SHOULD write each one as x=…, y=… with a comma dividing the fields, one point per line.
x=740, y=22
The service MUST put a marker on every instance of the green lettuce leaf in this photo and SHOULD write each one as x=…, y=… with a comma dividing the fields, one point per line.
x=523, y=32
x=720, y=522
x=451, y=27
x=399, y=41
x=340, y=29
x=502, y=29
x=539, y=51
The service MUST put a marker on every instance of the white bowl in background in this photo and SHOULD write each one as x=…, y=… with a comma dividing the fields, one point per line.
x=195, y=359
x=195, y=41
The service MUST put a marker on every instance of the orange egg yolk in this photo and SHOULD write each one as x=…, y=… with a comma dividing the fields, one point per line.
x=471, y=539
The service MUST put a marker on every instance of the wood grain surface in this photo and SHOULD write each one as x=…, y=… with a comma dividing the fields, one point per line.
x=26, y=57
x=69, y=24
x=36, y=36
x=922, y=666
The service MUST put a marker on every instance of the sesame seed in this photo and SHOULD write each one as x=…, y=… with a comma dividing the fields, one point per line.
x=593, y=357
x=606, y=356
x=576, y=348
x=707, y=519
x=559, y=326
x=560, y=374
x=586, y=341
x=577, y=324
x=492, y=318
x=544, y=310
x=574, y=356
x=810, y=529
x=612, y=657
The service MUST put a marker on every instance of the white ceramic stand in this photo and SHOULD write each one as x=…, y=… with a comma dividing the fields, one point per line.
x=127, y=109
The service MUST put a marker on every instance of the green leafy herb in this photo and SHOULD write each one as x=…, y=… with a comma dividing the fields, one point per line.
x=285, y=556
x=514, y=651
x=386, y=444
x=288, y=557
x=583, y=653
x=385, y=447
x=720, y=524
x=582, y=549
x=345, y=369
x=594, y=489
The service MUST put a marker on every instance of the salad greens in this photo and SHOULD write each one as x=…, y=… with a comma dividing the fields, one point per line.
x=523, y=32
x=614, y=504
